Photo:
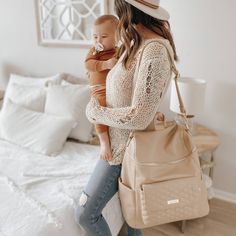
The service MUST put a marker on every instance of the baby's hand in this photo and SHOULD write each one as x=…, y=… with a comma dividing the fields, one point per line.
x=111, y=62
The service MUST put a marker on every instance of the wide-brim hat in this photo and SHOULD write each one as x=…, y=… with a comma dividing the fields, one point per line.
x=151, y=7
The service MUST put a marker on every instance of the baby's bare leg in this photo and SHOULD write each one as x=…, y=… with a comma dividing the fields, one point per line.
x=105, y=152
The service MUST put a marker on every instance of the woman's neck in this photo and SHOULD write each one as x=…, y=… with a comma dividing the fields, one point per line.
x=146, y=33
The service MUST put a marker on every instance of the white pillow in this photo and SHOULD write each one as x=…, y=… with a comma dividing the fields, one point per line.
x=40, y=132
x=64, y=82
x=29, y=81
x=74, y=79
x=30, y=97
x=71, y=101
x=36, y=81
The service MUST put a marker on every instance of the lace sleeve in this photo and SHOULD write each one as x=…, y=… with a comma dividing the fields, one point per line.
x=153, y=77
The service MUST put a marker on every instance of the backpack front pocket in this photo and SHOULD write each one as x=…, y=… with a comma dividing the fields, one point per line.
x=173, y=200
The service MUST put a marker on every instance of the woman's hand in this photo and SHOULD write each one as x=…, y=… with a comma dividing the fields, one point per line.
x=111, y=63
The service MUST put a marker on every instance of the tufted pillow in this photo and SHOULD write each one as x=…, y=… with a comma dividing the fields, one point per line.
x=71, y=100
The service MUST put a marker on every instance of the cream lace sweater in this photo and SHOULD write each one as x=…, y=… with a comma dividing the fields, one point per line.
x=125, y=112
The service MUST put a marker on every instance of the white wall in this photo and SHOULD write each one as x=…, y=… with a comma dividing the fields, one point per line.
x=205, y=36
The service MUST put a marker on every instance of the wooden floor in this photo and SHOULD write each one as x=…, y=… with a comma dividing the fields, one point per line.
x=221, y=221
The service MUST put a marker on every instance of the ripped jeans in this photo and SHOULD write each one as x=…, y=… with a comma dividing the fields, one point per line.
x=102, y=185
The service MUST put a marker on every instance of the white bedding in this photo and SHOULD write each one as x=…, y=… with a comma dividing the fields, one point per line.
x=38, y=193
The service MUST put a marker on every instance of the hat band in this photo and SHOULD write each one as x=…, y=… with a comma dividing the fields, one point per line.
x=154, y=6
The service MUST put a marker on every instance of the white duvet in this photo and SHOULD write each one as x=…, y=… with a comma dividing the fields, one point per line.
x=38, y=193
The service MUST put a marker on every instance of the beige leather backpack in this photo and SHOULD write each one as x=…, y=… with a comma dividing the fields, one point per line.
x=161, y=179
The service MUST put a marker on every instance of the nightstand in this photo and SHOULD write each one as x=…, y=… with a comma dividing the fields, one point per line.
x=207, y=142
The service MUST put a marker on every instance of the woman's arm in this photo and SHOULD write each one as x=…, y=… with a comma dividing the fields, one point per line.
x=153, y=77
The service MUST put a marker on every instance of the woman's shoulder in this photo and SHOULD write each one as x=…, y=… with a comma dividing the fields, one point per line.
x=155, y=44
x=156, y=47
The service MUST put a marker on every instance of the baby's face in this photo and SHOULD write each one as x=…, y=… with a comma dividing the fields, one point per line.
x=104, y=34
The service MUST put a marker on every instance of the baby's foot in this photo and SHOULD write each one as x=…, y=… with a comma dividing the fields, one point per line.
x=105, y=152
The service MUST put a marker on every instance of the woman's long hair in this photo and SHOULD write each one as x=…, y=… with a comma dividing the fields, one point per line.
x=130, y=16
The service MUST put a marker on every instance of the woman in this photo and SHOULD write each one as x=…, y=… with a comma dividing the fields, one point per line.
x=132, y=101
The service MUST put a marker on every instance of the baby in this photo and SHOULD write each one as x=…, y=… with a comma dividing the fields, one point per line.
x=100, y=59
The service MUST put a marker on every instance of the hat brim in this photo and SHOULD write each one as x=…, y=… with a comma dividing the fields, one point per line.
x=159, y=13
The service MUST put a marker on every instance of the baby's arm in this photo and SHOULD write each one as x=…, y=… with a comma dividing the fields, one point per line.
x=94, y=65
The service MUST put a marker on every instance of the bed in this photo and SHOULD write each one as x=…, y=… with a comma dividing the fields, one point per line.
x=39, y=193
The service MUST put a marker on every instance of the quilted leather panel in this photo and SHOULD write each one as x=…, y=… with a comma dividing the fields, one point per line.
x=173, y=200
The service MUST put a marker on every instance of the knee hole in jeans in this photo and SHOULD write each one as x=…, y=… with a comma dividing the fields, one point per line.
x=83, y=199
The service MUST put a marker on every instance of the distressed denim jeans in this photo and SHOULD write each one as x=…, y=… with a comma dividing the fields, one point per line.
x=102, y=185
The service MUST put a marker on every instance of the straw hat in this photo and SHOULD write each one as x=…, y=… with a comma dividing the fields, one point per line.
x=150, y=7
